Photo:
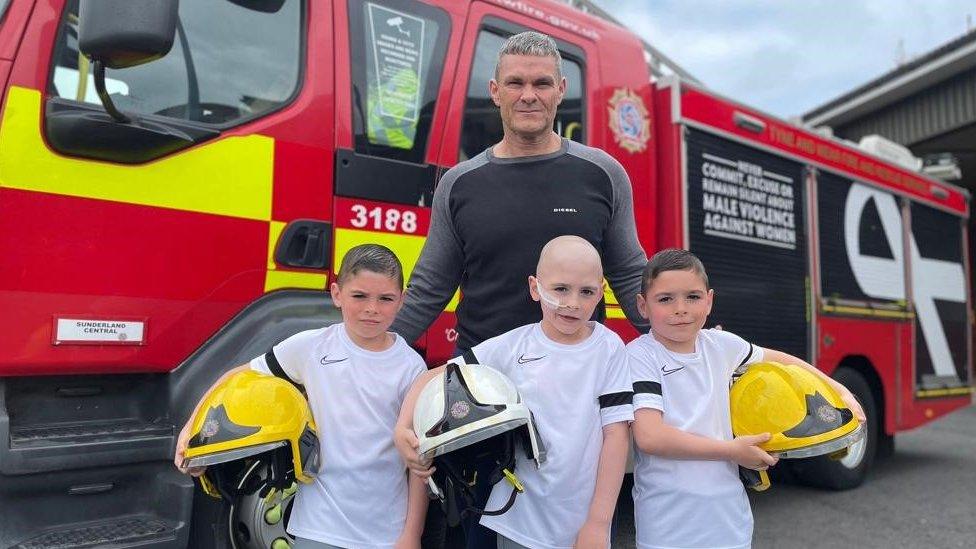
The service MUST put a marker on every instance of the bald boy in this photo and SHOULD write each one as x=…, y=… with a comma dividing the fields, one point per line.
x=573, y=375
x=568, y=283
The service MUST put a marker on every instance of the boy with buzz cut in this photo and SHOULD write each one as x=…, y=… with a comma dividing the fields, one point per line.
x=573, y=374
x=687, y=491
x=356, y=375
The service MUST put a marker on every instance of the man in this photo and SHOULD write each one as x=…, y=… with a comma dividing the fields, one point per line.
x=493, y=213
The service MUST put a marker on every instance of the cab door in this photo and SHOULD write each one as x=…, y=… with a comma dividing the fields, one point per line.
x=394, y=61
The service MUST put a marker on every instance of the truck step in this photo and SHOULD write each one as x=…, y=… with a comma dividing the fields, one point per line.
x=80, y=432
x=62, y=423
x=42, y=447
x=122, y=532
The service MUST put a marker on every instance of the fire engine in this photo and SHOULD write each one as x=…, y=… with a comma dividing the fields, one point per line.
x=175, y=197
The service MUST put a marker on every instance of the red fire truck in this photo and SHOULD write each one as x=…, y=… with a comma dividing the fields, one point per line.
x=162, y=222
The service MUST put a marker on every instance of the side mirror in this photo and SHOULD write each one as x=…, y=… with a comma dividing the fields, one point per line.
x=124, y=33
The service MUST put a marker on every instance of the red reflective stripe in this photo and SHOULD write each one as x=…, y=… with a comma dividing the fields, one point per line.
x=698, y=106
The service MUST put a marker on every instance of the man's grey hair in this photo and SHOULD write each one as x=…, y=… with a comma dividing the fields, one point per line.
x=530, y=43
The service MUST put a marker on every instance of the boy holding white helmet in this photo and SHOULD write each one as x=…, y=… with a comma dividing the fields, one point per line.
x=573, y=374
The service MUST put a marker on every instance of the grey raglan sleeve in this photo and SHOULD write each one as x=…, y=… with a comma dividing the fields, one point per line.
x=438, y=271
x=623, y=257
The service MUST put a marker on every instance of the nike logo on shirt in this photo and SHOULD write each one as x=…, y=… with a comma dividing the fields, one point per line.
x=665, y=370
x=522, y=359
x=325, y=361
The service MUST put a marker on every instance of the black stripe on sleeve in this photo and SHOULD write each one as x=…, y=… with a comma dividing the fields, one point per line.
x=276, y=368
x=651, y=387
x=469, y=357
x=749, y=354
x=616, y=399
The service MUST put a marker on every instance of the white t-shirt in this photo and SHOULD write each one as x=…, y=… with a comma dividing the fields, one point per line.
x=690, y=503
x=572, y=391
x=359, y=497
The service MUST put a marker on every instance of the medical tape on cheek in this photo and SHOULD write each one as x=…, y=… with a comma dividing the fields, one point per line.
x=548, y=299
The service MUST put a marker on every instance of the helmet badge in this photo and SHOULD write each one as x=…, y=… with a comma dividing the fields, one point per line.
x=828, y=414
x=210, y=428
x=460, y=409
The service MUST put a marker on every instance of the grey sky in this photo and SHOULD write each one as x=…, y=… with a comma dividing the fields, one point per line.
x=787, y=57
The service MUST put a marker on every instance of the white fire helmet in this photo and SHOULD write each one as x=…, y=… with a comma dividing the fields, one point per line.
x=469, y=420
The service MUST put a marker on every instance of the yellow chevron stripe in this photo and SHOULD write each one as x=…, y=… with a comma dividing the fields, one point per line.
x=608, y=296
x=866, y=311
x=231, y=176
x=276, y=279
x=612, y=304
x=954, y=391
x=274, y=232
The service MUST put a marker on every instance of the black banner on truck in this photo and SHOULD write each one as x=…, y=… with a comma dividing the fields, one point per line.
x=939, y=296
x=746, y=221
x=862, y=261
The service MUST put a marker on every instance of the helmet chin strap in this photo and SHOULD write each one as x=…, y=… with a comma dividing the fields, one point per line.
x=506, y=507
x=457, y=507
x=517, y=489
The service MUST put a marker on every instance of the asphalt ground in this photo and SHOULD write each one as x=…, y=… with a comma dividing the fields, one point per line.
x=923, y=496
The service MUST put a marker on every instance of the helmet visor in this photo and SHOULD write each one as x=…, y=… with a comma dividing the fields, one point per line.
x=231, y=455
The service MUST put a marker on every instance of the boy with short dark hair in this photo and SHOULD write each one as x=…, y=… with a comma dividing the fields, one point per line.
x=356, y=374
x=687, y=491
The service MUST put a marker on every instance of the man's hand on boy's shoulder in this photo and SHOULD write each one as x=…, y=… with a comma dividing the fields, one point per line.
x=406, y=443
x=592, y=535
x=745, y=451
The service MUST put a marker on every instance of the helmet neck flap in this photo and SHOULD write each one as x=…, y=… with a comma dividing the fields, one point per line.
x=466, y=471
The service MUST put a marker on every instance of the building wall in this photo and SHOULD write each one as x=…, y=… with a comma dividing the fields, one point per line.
x=945, y=107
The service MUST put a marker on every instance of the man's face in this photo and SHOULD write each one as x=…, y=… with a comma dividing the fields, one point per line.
x=527, y=90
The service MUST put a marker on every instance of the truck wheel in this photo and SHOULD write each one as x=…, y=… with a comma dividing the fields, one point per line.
x=253, y=523
x=850, y=471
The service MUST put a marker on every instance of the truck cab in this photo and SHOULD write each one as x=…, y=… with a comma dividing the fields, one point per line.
x=143, y=258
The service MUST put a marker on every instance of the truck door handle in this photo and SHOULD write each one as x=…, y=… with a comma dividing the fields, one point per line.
x=305, y=243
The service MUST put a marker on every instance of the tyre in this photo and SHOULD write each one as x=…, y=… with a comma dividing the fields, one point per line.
x=850, y=471
x=208, y=526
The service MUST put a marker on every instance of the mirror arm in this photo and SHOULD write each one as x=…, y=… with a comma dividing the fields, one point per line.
x=99, y=74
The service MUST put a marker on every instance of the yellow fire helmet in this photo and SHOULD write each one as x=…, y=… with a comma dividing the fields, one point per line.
x=805, y=416
x=253, y=416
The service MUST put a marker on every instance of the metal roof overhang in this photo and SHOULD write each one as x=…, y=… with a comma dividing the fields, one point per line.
x=887, y=91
